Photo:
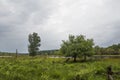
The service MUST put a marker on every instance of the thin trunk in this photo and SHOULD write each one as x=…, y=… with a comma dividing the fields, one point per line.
x=74, y=58
x=16, y=53
x=85, y=57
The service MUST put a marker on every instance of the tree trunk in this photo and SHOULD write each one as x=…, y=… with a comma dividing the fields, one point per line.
x=16, y=53
x=85, y=57
x=74, y=58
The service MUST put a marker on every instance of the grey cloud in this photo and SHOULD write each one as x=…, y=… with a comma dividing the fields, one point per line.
x=18, y=18
x=107, y=34
x=54, y=20
x=19, y=11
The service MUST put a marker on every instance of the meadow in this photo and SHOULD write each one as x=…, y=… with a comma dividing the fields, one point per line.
x=43, y=68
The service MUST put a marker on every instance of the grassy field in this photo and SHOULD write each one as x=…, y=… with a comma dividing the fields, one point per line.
x=37, y=68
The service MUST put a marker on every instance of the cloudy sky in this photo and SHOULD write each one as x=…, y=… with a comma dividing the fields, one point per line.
x=54, y=20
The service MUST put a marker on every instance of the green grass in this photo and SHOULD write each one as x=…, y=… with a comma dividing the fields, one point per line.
x=55, y=69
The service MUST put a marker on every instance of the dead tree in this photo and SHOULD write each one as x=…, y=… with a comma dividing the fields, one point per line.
x=109, y=73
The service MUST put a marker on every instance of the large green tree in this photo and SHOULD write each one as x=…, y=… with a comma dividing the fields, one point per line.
x=34, y=44
x=77, y=46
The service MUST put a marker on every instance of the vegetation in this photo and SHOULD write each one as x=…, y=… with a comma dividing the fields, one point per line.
x=110, y=50
x=34, y=41
x=36, y=68
x=48, y=52
x=77, y=46
x=7, y=54
x=44, y=67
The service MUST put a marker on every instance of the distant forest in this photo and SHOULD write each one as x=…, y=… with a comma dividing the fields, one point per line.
x=48, y=52
x=110, y=50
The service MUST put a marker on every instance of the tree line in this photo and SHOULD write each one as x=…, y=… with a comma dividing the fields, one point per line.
x=75, y=46
x=110, y=50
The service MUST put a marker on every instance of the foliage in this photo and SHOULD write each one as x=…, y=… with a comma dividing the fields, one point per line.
x=48, y=52
x=34, y=43
x=27, y=68
x=77, y=46
x=110, y=50
x=7, y=54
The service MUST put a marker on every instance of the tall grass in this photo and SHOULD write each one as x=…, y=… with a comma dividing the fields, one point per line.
x=55, y=69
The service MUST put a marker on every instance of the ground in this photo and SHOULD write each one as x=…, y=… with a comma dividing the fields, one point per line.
x=42, y=68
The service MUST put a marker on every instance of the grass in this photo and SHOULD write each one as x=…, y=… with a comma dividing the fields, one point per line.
x=55, y=69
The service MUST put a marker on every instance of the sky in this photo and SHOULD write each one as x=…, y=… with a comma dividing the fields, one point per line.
x=54, y=20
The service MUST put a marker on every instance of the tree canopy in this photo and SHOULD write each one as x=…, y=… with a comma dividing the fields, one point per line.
x=77, y=46
x=34, y=44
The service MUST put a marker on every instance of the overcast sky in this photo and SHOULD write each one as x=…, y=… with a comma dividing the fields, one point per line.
x=54, y=20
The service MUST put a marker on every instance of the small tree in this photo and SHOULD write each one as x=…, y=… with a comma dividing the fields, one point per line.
x=77, y=46
x=34, y=44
